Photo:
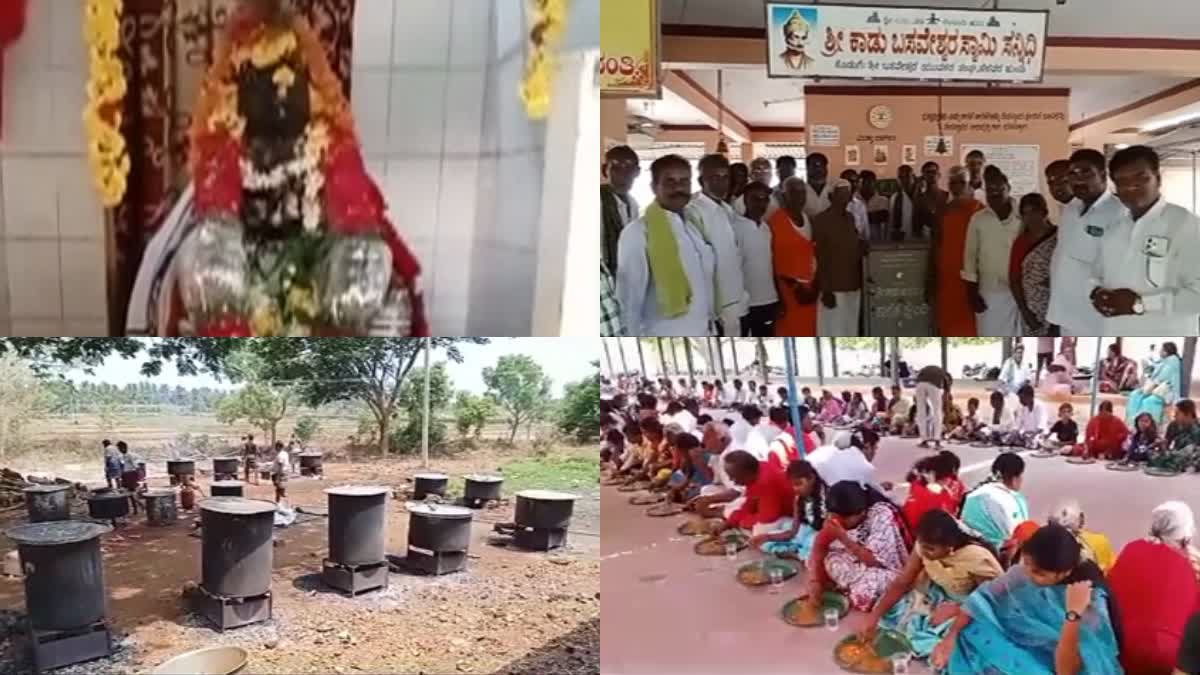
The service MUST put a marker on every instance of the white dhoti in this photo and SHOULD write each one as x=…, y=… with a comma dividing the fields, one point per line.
x=731, y=320
x=782, y=525
x=929, y=411
x=1002, y=318
x=842, y=320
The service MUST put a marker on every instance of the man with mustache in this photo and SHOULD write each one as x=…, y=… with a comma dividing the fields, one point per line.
x=1145, y=278
x=666, y=267
x=1084, y=221
x=718, y=225
x=760, y=171
x=990, y=237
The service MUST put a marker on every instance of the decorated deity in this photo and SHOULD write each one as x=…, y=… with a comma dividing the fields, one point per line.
x=282, y=231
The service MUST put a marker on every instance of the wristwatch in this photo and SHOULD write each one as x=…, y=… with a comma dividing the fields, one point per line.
x=1073, y=616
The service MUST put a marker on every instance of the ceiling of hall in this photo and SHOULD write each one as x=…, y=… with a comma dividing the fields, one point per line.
x=1090, y=18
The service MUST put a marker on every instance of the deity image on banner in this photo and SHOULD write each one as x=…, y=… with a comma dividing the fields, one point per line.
x=281, y=230
x=796, y=32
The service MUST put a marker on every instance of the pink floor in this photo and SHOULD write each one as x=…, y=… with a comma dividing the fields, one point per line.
x=667, y=610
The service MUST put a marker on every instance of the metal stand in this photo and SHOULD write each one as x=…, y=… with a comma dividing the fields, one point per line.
x=224, y=476
x=533, y=539
x=178, y=480
x=55, y=648
x=435, y=563
x=226, y=613
x=312, y=472
x=354, y=579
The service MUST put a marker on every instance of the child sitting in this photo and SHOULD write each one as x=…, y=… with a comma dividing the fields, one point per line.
x=932, y=485
x=808, y=516
x=1105, y=437
x=857, y=412
x=1144, y=440
x=693, y=472
x=952, y=416
x=1065, y=432
x=968, y=428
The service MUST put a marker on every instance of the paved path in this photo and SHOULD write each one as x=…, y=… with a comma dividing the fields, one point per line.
x=667, y=610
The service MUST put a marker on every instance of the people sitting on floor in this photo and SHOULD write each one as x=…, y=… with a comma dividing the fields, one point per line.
x=1053, y=613
x=707, y=395
x=861, y=547
x=1144, y=440
x=782, y=449
x=952, y=414
x=906, y=426
x=1105, y=437
x=666, y=459
x=750, y=419
x=849, y=457
x=808, y=515
x=998, y=422
x=1159, y=389
x=1180, y=449
x=858, y=412
x=769, y=496
x=612, y=453
x=721, y=496
x=692, y=472
x=739, y=394
x=1064, y=433
x=945, y=567
x=830, y=408
x=1096, y=546
x=897, y=410
x=994, y=508
x=806, y=398
x=932, y=485
x=637, y=462
x=968, y=429
x=1118, y=373
x=847, y=399
x=763, y=400
x=1030, y=420
x=720, y=398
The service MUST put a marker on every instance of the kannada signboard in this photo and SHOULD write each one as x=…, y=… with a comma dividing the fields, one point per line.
x=908, y=43
x=629, y=49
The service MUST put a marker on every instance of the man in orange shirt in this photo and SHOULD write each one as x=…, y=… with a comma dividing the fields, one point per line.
x=793, y=255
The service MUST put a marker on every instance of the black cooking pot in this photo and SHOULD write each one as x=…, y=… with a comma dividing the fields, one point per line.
x=181, y=467
x=544, y=509
x=429, y=484
x=108, y=505
x=439, y=528
x=479, y=488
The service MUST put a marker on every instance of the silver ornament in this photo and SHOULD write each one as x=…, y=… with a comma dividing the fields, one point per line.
x=212, y=270
x=354, y=281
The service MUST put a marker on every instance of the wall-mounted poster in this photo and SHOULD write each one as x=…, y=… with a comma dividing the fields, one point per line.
x=825, y=135
x=852, y=156
x=629, y=49
x=931, y=146
x=908, y=154
x=880, y=154
x=904, y=43
x=1018, y=162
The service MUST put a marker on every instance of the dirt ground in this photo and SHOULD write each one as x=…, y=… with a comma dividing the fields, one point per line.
x=511, y=612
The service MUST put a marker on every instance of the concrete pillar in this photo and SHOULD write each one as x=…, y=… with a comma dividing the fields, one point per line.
x=747, y=152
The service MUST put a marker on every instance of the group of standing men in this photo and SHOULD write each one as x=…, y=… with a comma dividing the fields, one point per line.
x=742, y=258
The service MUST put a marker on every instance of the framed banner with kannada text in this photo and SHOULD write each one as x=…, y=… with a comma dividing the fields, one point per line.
x=905, y=43
x=629, y=49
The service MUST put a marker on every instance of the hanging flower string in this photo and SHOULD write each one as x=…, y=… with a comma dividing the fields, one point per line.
x=549, y=22
x=106, y=89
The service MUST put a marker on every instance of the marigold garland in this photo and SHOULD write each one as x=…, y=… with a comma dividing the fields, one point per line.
x=106, y=89
x=549, y=22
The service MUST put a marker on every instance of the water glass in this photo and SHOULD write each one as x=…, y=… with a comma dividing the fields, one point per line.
x=731, y=551
x=900, y=663
x=776, y=577
x=832, y=618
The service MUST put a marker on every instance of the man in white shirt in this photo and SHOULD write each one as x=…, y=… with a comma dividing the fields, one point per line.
x=718, y=218
x=753, y=235
x=1012, y=372
x=817, y=183
x=618, y=207
x=1030, y=419
x=643, y=304
x=901, y=205
x=1084, y=220
x=760, y=172
x=748, y=419
x=975, y=162
x=843, y=460
x=858, y=206
x=739, y=393
x=1147, y=276
x=990, y=236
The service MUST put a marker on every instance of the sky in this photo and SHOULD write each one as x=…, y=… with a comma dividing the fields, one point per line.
x=564, y=360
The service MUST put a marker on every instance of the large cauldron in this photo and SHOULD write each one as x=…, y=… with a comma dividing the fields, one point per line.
x=544, y=509
x=64, y=573
x=310, y=464
x=357, y=524
x=225, y=466
x=160, y=507
x=177, y=468
x=429, y=484
x=480, y=488
x=439, y=528
x=228, y=488
x=236, y=551
x=48, y=502
x=108, y=505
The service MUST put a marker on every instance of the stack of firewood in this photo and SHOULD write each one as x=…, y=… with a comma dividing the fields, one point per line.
x=12, y=486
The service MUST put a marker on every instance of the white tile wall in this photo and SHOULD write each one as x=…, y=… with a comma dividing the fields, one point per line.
x=34, y=285
x=421, y=33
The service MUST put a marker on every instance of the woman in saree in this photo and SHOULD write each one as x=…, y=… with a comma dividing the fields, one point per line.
x=1060, y=375
x=808, y=516
x=1051, y=615
x=1029, y=264
x=1118, y=372
x=1159, y=388
x=1154, y=584
x=945, y=567
x=830, y=407
x=949, y=292
x=995, y=508
x=861, y=547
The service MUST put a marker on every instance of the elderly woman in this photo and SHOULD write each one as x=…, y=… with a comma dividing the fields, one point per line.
x=1154, y=583
x=1117, y=372
x=948, y=291
x=1096, y=547
x=1159, y=389
x=1053, y=613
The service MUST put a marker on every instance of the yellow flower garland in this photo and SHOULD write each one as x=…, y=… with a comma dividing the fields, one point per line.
x=105, y=91
x=551, y=17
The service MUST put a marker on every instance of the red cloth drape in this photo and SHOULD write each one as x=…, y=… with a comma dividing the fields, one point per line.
x=12, y=24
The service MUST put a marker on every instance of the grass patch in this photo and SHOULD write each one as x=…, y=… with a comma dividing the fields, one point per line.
x=565, y=468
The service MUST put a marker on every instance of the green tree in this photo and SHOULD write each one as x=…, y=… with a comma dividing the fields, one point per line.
x=260, y=401
x=471, y=411
x=579, y=416
x=306, y=428
x=518, y=385
x=370, y=370
x=22, y=394
x=411, y=401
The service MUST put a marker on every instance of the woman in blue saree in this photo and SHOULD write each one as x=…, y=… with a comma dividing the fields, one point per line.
x=1050, y=615
x=1160, y=388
